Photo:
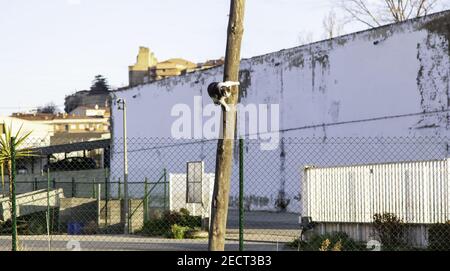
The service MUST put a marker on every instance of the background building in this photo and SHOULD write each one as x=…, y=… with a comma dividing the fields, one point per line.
x=72, y=128
x=148, y=69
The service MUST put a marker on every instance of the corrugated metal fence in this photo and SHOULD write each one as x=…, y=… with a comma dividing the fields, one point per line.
x=417, y=192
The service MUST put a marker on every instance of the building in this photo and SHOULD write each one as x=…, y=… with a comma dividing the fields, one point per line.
x=60, y=136
x=148, y=69
x=91, y=111
x=375, y=83
x=139, y=72
x=171, y=67
x=72, y=128
x=41, y=133
x=86, y=98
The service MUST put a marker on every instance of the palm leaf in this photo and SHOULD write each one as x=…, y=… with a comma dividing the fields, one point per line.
x=2, y=171
x=20, y=140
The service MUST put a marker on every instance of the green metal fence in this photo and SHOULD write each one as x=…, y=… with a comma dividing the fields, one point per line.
x=304, y=194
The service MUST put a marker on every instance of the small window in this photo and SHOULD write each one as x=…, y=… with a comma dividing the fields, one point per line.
x=194, y=180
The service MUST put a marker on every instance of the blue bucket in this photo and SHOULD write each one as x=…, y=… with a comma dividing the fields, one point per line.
x=74, y=228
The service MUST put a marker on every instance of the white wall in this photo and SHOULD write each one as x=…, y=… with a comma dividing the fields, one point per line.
x=393, y=70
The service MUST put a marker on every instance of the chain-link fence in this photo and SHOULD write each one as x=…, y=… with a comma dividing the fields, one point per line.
x=305, y=194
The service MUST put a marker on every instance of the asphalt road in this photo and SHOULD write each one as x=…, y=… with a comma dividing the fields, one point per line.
x=264, y=231
x=108, y=242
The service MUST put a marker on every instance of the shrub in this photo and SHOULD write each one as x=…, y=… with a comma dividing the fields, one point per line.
x=164, y=225
x=337, y=241
x=178, y=232
x=439, y=236
x=390, y=230
x=184, y=212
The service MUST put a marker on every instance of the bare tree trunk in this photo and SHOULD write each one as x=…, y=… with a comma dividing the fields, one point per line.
x=219, y=208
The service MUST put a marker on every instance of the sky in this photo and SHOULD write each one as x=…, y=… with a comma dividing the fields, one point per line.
x=52, y=48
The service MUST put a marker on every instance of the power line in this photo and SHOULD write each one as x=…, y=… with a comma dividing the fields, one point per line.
x=365, y=120
x=299, y=128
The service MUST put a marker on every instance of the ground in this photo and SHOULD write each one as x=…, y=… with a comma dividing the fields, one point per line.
x=264, y=231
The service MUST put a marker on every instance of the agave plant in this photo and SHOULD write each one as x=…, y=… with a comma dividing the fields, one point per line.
x=21, y=151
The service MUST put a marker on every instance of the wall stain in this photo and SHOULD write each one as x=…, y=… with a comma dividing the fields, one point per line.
x=334, y=111
x=432, y=76
x=245, y=78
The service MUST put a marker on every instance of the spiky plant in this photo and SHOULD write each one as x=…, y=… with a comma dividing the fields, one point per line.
x=21, y=151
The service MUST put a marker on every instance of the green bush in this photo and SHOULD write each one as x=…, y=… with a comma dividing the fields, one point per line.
x=184, y=211
x=390, y=230
x=338, y=241
x=164, y=226
x=439, y=236
x=178, y=232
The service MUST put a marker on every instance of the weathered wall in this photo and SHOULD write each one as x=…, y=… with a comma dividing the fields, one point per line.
x=372, y=76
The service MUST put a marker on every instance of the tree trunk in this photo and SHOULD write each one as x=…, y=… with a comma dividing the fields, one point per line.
x=219, y=208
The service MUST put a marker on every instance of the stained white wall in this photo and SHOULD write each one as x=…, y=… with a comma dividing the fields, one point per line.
x=363, y=81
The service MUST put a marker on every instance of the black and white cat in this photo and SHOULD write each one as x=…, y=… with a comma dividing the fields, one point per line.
x=219, y=91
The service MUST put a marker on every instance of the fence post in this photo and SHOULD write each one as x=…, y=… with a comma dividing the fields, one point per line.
x=241, y=194
x=35, y=184
x=145, y=200
x=99, y=201
x=54, y=183
x=120, y=192
x=48, y=208
x=12, y=180
x=106, y=197
x=93, y=188
x=73, y=187
x=165, y=188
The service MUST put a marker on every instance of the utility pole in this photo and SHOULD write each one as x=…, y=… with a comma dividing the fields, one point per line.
x=12, y=180
x=225, y=144
x=122, y=105
x=241, y=194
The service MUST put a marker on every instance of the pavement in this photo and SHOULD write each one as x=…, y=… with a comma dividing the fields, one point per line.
x=264, y=231
x=125, y=243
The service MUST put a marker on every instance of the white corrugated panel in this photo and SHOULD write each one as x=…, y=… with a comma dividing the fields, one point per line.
x=417, y=192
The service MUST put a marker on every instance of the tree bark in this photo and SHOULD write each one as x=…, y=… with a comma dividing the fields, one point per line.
x=219, y=208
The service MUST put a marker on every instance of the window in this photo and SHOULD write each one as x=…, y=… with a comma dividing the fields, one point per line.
x=194, y=180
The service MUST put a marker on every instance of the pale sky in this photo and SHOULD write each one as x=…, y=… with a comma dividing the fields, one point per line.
x=52, y=48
